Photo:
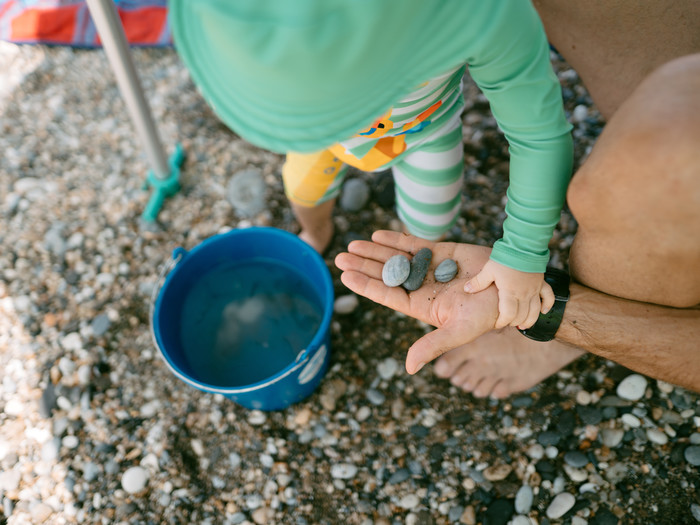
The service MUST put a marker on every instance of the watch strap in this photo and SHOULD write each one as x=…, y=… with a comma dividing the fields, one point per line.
x=547, y=324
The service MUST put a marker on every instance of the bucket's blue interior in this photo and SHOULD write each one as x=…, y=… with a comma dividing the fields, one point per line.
x=260, y=261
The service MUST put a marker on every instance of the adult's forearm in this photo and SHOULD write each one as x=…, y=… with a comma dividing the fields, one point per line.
x=658, y=341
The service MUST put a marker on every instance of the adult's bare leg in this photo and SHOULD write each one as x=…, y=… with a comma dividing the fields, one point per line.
x=636, y=254
x=615, y=44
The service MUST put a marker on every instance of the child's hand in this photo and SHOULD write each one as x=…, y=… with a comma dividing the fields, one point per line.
x=521, y=295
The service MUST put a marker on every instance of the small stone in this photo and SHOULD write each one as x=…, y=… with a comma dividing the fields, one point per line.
x=523, y=499
x=631, y=420
x=576, y=459
x=354, y=195
x=41, y=512
x=468, y=516
x=583, y=397
x=611, y=437
x=536, y=451
x=363, y=413
x=343, y=471
x=657, y=436
x=100, y=325
x=497, y=472
x=560, y=505
x=692, y=455
x=257, y=417
x=302, y=417
x=70, y=442
x=396, y=271
x=375, y=396
x=134, y=479
x=695, y=511
x=262, y=515
x=399, y=476
x=388, y=368
x=90, y=471
x=419, y=268
x=499, y=511
x=632, y=387
x=409, y=501
x=345, y=304
x=446, y=271
x=246, y=192
x=579, y=114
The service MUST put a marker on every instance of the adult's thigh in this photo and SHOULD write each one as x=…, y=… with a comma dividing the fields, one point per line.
x=637, y=196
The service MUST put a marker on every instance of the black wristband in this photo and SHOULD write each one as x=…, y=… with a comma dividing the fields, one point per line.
x=547, y=324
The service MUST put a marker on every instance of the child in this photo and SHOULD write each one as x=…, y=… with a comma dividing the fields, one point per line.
x=334, y=82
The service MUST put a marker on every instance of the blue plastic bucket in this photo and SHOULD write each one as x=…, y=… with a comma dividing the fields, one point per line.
x=246, y=314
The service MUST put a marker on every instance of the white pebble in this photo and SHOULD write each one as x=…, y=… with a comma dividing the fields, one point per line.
x=523, y=499
x=560, y=505
x=631, y=420
x=611, y=437
x=345, y=304
x=363, y=413
x=257, y=417
x=70, y=442
x=409, y=501
x=580, y=113
x=583, y=397
x=657, y=436
x=134, y=479
x=632, y=387
x=387, y=368
x=343, y=471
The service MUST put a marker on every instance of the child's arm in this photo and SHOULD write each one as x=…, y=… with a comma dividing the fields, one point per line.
x=511, y=66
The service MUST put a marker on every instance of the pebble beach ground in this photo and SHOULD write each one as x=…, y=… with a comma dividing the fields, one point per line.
x=95, y=429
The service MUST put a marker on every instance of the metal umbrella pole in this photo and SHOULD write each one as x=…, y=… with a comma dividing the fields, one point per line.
x=164, y=175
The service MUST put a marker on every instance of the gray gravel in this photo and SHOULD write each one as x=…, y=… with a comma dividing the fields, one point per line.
x=95, y=429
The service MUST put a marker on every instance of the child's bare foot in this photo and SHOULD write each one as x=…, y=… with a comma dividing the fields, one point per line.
x=500, y=363
x=319, y=238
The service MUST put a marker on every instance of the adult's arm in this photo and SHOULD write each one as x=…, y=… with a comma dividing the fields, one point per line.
x=658, y=341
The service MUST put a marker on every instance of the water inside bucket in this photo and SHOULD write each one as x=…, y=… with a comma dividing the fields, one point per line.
x=243, y=323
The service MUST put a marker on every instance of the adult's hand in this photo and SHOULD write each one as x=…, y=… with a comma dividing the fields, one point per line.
x=459, y=317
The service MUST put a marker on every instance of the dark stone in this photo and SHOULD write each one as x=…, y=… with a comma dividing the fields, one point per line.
x=609, y=413
x=677, y=457
x=72, y=277
x=419, y=268
x=384, y=193
x=460, y=417
x=48, y=401
x=499, y=512
x=566, y=423
x=399, y=476
x=419, y=431
x=424, y=518
x=603, y=517
x=548, y=438
x=684, y=430
x=576, y=459
x=589, y=415
x=436, y=452
x=546, y=469
x=522, y=402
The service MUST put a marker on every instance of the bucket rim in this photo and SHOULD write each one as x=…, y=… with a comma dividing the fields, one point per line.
x=318, y=342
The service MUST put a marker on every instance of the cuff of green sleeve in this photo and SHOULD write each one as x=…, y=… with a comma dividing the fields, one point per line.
x=517, y=260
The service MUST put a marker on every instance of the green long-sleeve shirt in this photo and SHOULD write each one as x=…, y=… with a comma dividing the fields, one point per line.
x=303, y=75
x=510, y=64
